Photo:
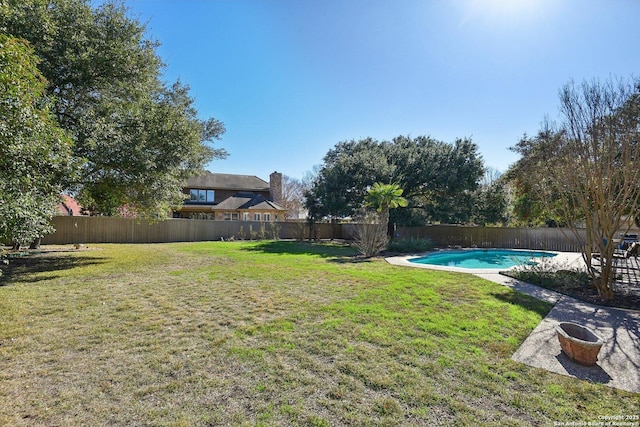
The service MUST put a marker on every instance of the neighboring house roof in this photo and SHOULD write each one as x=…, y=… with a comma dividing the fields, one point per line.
x=225, y=181
x=69, y=206
x=246, y=200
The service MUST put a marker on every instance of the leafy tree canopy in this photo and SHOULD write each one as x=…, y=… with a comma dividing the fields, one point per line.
x=491, y=200
x=35, y=152
x=434, y=175
x=136, y=139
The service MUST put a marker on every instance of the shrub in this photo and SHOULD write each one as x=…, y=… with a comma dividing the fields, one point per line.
x=411, y=245
x=241, y=233
x=3, y=258
x=274, y=231
x=552, y=276
x=370, y=234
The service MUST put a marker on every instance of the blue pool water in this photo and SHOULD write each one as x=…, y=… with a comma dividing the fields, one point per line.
x=483, y=258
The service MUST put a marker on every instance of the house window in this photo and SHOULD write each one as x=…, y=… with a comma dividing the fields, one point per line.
x=230, y=216
x=256, y=217
x=267, y=217
x=245, y=216
x=201, y=196
x=201, y=215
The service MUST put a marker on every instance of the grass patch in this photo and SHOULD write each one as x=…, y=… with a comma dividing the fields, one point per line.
x=264, y=333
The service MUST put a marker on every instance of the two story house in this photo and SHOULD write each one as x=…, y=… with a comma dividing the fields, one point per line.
x=233, y=197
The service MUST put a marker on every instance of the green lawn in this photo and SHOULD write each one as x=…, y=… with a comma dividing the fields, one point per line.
x=270, y=333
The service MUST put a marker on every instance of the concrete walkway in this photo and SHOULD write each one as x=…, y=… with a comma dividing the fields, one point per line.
x=619, y=359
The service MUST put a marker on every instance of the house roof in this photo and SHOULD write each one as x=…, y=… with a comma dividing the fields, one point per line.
x=227, y=181
x=246, y=200
x=69, y=206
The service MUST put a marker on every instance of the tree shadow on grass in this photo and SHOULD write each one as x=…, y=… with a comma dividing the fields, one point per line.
x=22, y=268
x=525, y=301
x=323, y=250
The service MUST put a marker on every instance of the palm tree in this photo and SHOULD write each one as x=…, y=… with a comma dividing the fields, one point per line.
x=384, y=197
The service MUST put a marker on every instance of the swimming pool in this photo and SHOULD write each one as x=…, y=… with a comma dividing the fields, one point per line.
x=483, y=258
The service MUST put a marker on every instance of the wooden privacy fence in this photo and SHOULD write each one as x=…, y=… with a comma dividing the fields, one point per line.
x=78, y=229
x=84, y=229
x=552, y=239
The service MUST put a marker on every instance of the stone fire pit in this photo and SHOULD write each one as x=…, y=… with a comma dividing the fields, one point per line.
x=580, y=343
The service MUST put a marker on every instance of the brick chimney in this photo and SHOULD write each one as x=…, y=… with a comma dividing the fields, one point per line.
x=275, y=187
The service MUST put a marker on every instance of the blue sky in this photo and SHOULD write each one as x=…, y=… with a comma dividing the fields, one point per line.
x=291, y=78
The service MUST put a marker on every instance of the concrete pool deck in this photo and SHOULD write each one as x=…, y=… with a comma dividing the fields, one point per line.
x=619, y=359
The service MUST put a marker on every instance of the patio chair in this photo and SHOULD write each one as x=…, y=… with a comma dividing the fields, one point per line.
x=630, y=251
x=627, y=240
x=633, y=250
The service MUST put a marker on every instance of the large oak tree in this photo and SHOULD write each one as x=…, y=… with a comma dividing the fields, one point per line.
x=136, y=138
x=437, y=178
